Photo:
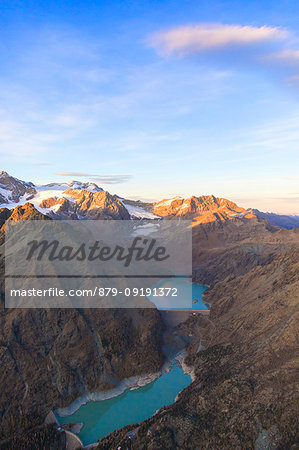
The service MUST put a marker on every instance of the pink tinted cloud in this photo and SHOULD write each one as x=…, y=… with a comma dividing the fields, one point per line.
x=190, y=39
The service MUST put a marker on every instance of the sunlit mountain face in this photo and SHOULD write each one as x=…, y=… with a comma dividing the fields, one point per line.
x=79, y=200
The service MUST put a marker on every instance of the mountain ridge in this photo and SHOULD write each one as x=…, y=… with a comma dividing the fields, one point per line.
x=77, y=200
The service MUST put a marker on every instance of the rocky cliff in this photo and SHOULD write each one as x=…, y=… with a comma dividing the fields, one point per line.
x=80, y=203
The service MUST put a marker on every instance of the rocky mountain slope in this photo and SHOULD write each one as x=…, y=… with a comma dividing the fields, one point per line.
x=244, y=394
x=49, y=357
x=24, y=212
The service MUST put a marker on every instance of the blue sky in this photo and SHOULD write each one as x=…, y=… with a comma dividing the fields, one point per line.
x=153, y=99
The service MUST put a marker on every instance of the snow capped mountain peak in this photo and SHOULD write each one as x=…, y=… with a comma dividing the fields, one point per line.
x=12, y=189
x=88, y=186
x=14, y=192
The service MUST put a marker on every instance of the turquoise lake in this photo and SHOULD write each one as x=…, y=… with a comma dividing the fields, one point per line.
x=102, y=417
x=197, y=291
x=189, y=295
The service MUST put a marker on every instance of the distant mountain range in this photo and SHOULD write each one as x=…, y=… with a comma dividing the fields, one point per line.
x=243, y=355
x=81, y=200
x=279, y=220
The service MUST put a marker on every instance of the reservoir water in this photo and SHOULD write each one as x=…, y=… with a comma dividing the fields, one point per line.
x=189, y=295
x=102, y=417
x=99, y=418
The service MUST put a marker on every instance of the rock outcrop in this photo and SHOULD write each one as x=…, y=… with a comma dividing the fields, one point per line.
x=77, y=204
x=206, y=208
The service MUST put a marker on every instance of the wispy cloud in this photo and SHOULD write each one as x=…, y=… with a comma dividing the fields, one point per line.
x=74, y=174
x=112, y=179
x=197, y=38
x=104, y=179
x=262, y=47
x=286, y=56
